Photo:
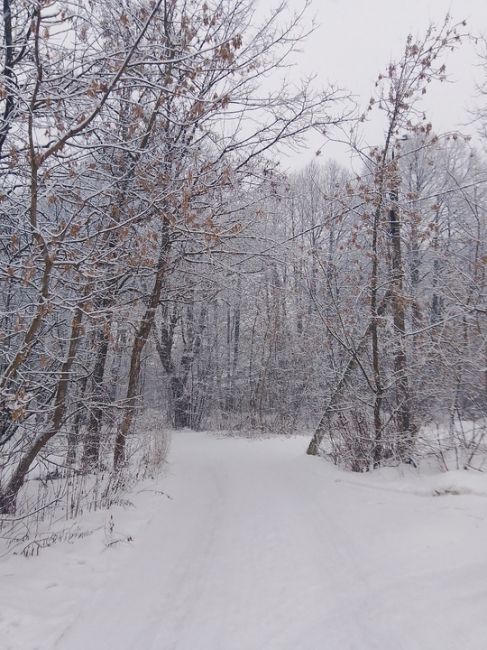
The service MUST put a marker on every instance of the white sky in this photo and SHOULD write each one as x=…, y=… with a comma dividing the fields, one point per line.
x=356, y=39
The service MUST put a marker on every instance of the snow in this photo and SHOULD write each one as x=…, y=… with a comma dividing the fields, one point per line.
x=252, y=545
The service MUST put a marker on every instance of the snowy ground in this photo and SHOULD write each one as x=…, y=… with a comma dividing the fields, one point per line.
x=260, y=547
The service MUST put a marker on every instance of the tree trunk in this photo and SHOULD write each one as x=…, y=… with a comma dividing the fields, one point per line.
x=92, y=441
x=182, y=404
x=374, y=332
x=141, y=336
x=353, y=362
x=403, y=394
x=8, y=496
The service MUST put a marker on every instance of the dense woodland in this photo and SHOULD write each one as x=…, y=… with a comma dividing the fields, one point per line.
x=155, y=258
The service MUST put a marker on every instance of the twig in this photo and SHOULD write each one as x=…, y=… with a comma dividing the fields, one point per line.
x=34, y=512
x=156, y=492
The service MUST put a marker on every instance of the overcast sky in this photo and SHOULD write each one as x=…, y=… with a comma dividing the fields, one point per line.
x=355, y=40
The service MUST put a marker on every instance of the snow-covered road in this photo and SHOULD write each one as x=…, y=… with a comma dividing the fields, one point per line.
x=262, y=548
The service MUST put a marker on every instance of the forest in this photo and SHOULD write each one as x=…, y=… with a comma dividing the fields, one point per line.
x=243, y=400
x=159, y=270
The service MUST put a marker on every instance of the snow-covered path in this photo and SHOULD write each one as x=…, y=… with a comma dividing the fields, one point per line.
x=263, y=548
